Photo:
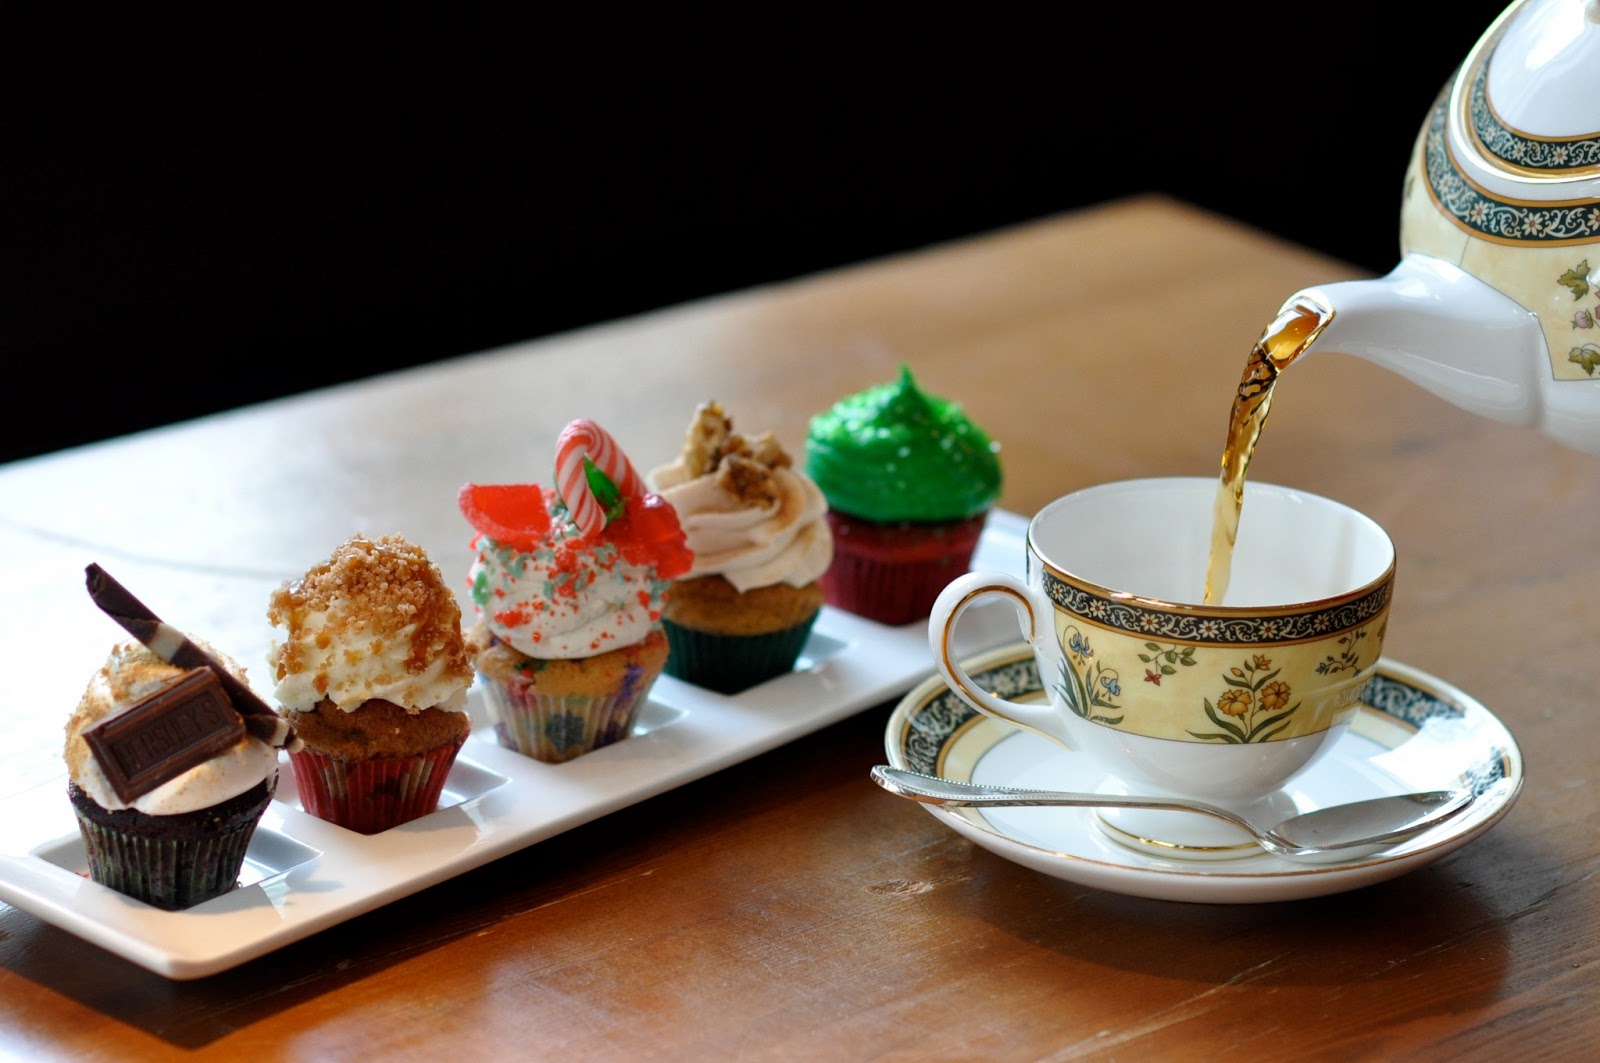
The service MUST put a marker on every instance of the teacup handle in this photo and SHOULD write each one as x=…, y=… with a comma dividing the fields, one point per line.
x=964, y=592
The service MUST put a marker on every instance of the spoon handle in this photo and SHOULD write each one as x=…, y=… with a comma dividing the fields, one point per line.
x=932, y=790
x=1336, y=832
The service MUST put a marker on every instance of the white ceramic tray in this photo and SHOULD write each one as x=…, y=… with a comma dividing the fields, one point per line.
x=303, y=875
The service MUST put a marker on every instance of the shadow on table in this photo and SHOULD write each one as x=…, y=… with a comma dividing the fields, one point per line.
x=194, y=1014
x=1458, y=905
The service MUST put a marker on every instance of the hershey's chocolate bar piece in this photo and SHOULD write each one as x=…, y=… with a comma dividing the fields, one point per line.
x=185, y=723
x=174, y=647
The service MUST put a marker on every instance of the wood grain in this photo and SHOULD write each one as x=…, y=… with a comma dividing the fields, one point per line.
x=785, y=908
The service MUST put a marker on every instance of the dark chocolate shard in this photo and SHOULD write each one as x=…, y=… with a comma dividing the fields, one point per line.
x=185, y=723
x=174, y=647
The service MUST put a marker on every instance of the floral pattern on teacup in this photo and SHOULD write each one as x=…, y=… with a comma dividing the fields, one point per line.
x=1255, y=707
x=1258, y=701
x=1225, y=627
x=1086, y=686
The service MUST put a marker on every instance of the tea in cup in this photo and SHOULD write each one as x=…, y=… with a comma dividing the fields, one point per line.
x=1168, y=695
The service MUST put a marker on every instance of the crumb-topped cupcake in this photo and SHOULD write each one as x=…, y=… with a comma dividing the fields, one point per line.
x=372, y=672
x=171, y=761
x=569, y=584
x=910, y=481
x=758, y=530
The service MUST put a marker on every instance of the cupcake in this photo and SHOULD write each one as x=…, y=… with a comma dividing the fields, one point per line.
x=909, y=481
x=372, y=672
x=568, y=585
x=171, y=761
x=757, y=528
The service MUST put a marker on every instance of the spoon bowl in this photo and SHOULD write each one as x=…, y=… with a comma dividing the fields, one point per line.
x=1323, y=835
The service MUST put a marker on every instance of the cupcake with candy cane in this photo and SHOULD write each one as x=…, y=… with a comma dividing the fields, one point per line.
x=569, y=584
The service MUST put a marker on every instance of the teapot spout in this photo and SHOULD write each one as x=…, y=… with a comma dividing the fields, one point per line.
x=1445, y=331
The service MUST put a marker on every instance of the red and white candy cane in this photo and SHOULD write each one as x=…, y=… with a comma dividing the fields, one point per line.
x=585, y=439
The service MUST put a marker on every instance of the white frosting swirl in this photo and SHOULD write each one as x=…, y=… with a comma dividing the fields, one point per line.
x=373, y=622
x=130, y=674
x=380, y=670
x=785, y=540
x=567, y=598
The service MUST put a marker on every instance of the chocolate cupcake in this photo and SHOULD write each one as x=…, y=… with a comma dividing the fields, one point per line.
x=171, y=761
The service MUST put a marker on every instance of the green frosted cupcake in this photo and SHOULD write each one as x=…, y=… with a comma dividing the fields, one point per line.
x=910, y=481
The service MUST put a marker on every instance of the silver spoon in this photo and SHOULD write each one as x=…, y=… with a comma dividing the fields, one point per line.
x=1338, y=832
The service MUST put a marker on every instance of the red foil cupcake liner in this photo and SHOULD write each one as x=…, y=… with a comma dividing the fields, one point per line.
x=892, y=573
x=370, y=796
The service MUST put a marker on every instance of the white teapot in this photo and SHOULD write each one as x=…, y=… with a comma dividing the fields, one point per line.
x=1495, y=304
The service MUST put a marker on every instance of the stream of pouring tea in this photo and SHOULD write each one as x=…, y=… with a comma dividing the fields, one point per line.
x=1281, y=342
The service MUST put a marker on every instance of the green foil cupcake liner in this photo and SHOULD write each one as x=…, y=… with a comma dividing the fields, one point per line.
x=170, y=862
x=373, y=795
x=557, y=728
x=728, y=664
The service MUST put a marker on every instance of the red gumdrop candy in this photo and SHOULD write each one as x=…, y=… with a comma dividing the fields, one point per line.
x=649, y=534
x=514, y=515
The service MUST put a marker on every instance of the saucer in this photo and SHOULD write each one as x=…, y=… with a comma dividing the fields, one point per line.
x=1413, y=732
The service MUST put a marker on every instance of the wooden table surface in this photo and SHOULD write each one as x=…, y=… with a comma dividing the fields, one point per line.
x=784, y=907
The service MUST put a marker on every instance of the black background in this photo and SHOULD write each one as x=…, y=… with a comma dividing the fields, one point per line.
x=196, y=222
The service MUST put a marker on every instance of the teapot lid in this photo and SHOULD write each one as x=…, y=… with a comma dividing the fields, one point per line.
x=1524, y=111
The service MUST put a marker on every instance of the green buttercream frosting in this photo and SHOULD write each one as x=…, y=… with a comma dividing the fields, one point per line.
x=894, y=452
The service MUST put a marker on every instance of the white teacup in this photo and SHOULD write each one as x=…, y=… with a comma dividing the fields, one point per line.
x=1224, y=703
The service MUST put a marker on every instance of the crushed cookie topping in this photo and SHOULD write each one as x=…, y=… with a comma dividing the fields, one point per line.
x=371, y=592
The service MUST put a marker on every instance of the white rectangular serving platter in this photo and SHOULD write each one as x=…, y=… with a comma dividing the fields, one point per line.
x=303, y=874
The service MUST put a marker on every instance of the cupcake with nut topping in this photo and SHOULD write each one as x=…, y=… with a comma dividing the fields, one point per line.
x=758, y=530
x=569, y=584
x=372, y=671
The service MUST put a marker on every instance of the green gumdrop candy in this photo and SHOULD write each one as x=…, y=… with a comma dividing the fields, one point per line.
x=605, y=491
